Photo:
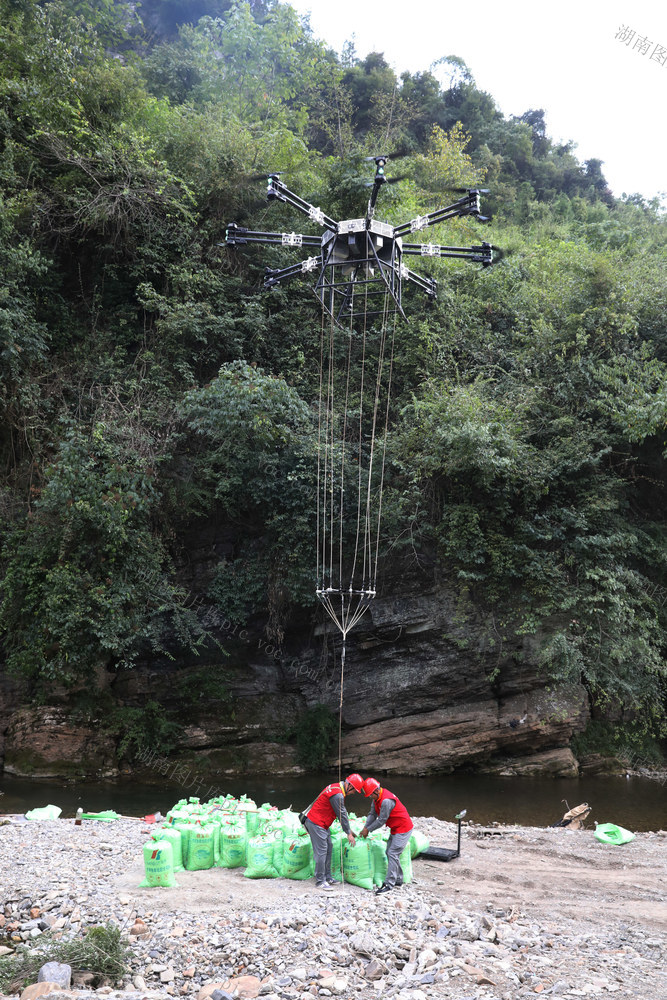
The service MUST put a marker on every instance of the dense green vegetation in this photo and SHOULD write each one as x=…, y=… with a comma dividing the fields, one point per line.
x=147, y=383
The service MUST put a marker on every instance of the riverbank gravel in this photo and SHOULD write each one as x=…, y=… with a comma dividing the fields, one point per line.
x=524, y=912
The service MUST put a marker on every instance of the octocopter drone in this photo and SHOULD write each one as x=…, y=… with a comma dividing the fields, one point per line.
x=360, y=261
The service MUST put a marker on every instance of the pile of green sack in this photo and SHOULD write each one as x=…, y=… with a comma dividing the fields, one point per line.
x=227, y=832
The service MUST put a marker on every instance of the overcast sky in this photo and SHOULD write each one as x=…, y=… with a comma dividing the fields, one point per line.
x=606, y=94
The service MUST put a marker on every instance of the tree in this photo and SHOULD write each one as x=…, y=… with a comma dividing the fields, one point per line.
x=87, y=581
x=256, y=456
x=368, y=81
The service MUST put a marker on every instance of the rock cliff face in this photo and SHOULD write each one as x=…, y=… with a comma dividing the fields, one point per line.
x=46, y=742
x=421, y=695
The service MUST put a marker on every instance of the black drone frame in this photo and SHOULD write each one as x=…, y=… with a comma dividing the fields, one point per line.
x=360, y=261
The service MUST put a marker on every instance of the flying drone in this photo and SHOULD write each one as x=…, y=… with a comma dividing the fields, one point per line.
x=363, y=255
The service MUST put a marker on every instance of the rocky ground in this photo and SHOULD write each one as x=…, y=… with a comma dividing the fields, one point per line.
x=522, y=912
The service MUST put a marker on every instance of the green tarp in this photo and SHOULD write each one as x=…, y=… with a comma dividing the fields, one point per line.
x=44, y=812
x=609, y=833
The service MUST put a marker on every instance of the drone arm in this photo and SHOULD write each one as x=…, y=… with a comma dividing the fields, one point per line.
x=428, y=285
x=464, y=206
x=377, y=184
x=273, y=276
x=238, y=236
x=378, y=181
x=277, y=189
x=480, y=254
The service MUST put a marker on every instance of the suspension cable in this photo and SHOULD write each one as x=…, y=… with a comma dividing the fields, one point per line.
x=319, y=572
x=384, y=449
x=345, y=595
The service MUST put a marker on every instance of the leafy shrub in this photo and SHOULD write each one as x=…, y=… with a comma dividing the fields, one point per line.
x=633, y=743
x=102, y=951
x=148, y=727
x=316, y=733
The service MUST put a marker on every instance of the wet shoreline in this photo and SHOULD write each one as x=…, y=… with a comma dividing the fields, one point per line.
x=523, y=911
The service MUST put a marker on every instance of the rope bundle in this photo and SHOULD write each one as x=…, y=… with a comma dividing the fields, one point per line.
x=346, y=498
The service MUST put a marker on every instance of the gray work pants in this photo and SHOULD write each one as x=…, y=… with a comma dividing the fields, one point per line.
x=320, y=838
x=395, y=847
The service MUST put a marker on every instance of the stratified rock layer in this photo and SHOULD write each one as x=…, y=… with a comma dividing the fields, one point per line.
x=423, y=693
x=49, y=742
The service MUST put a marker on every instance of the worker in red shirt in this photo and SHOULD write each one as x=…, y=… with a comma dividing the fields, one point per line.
x=388, y=809
x=319, y=816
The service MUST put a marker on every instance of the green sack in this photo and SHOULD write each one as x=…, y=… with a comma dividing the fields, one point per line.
x=406, y=864
x=229, y=816
x=176, y=815
x=185, y=830
x=278, y=835
x=233, y=842
x=358, y=864
x=418, y=842
x=259, y=857
x=338, y=842
x=291, y=823
x=298, y=862
x=213, y=824
x=44, y=812
x=201, y=848
x=250, y=822
x=158, y=864
x=380, y=865
x=265, y=818
x=173, y=836
x=379, y=859
x=218, y=802
x=609, y=833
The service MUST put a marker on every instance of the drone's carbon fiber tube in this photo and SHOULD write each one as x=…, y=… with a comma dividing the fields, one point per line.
x=465, y=206
x=238, y=236
x=278, y=190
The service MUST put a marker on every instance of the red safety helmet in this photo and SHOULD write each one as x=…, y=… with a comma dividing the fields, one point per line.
x=356, y=781
x=370, y=785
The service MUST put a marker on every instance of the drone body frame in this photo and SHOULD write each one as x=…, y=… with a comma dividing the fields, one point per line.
x=360, y=261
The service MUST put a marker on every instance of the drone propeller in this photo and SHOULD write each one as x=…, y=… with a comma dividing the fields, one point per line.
x=387, y=156
x=499, y=253
x=502, y=251
x=267, y=175
x=468, y=190
x=387, y=180
x=244, y=211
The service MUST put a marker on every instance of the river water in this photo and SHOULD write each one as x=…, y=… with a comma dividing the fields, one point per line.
x=635, y=803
